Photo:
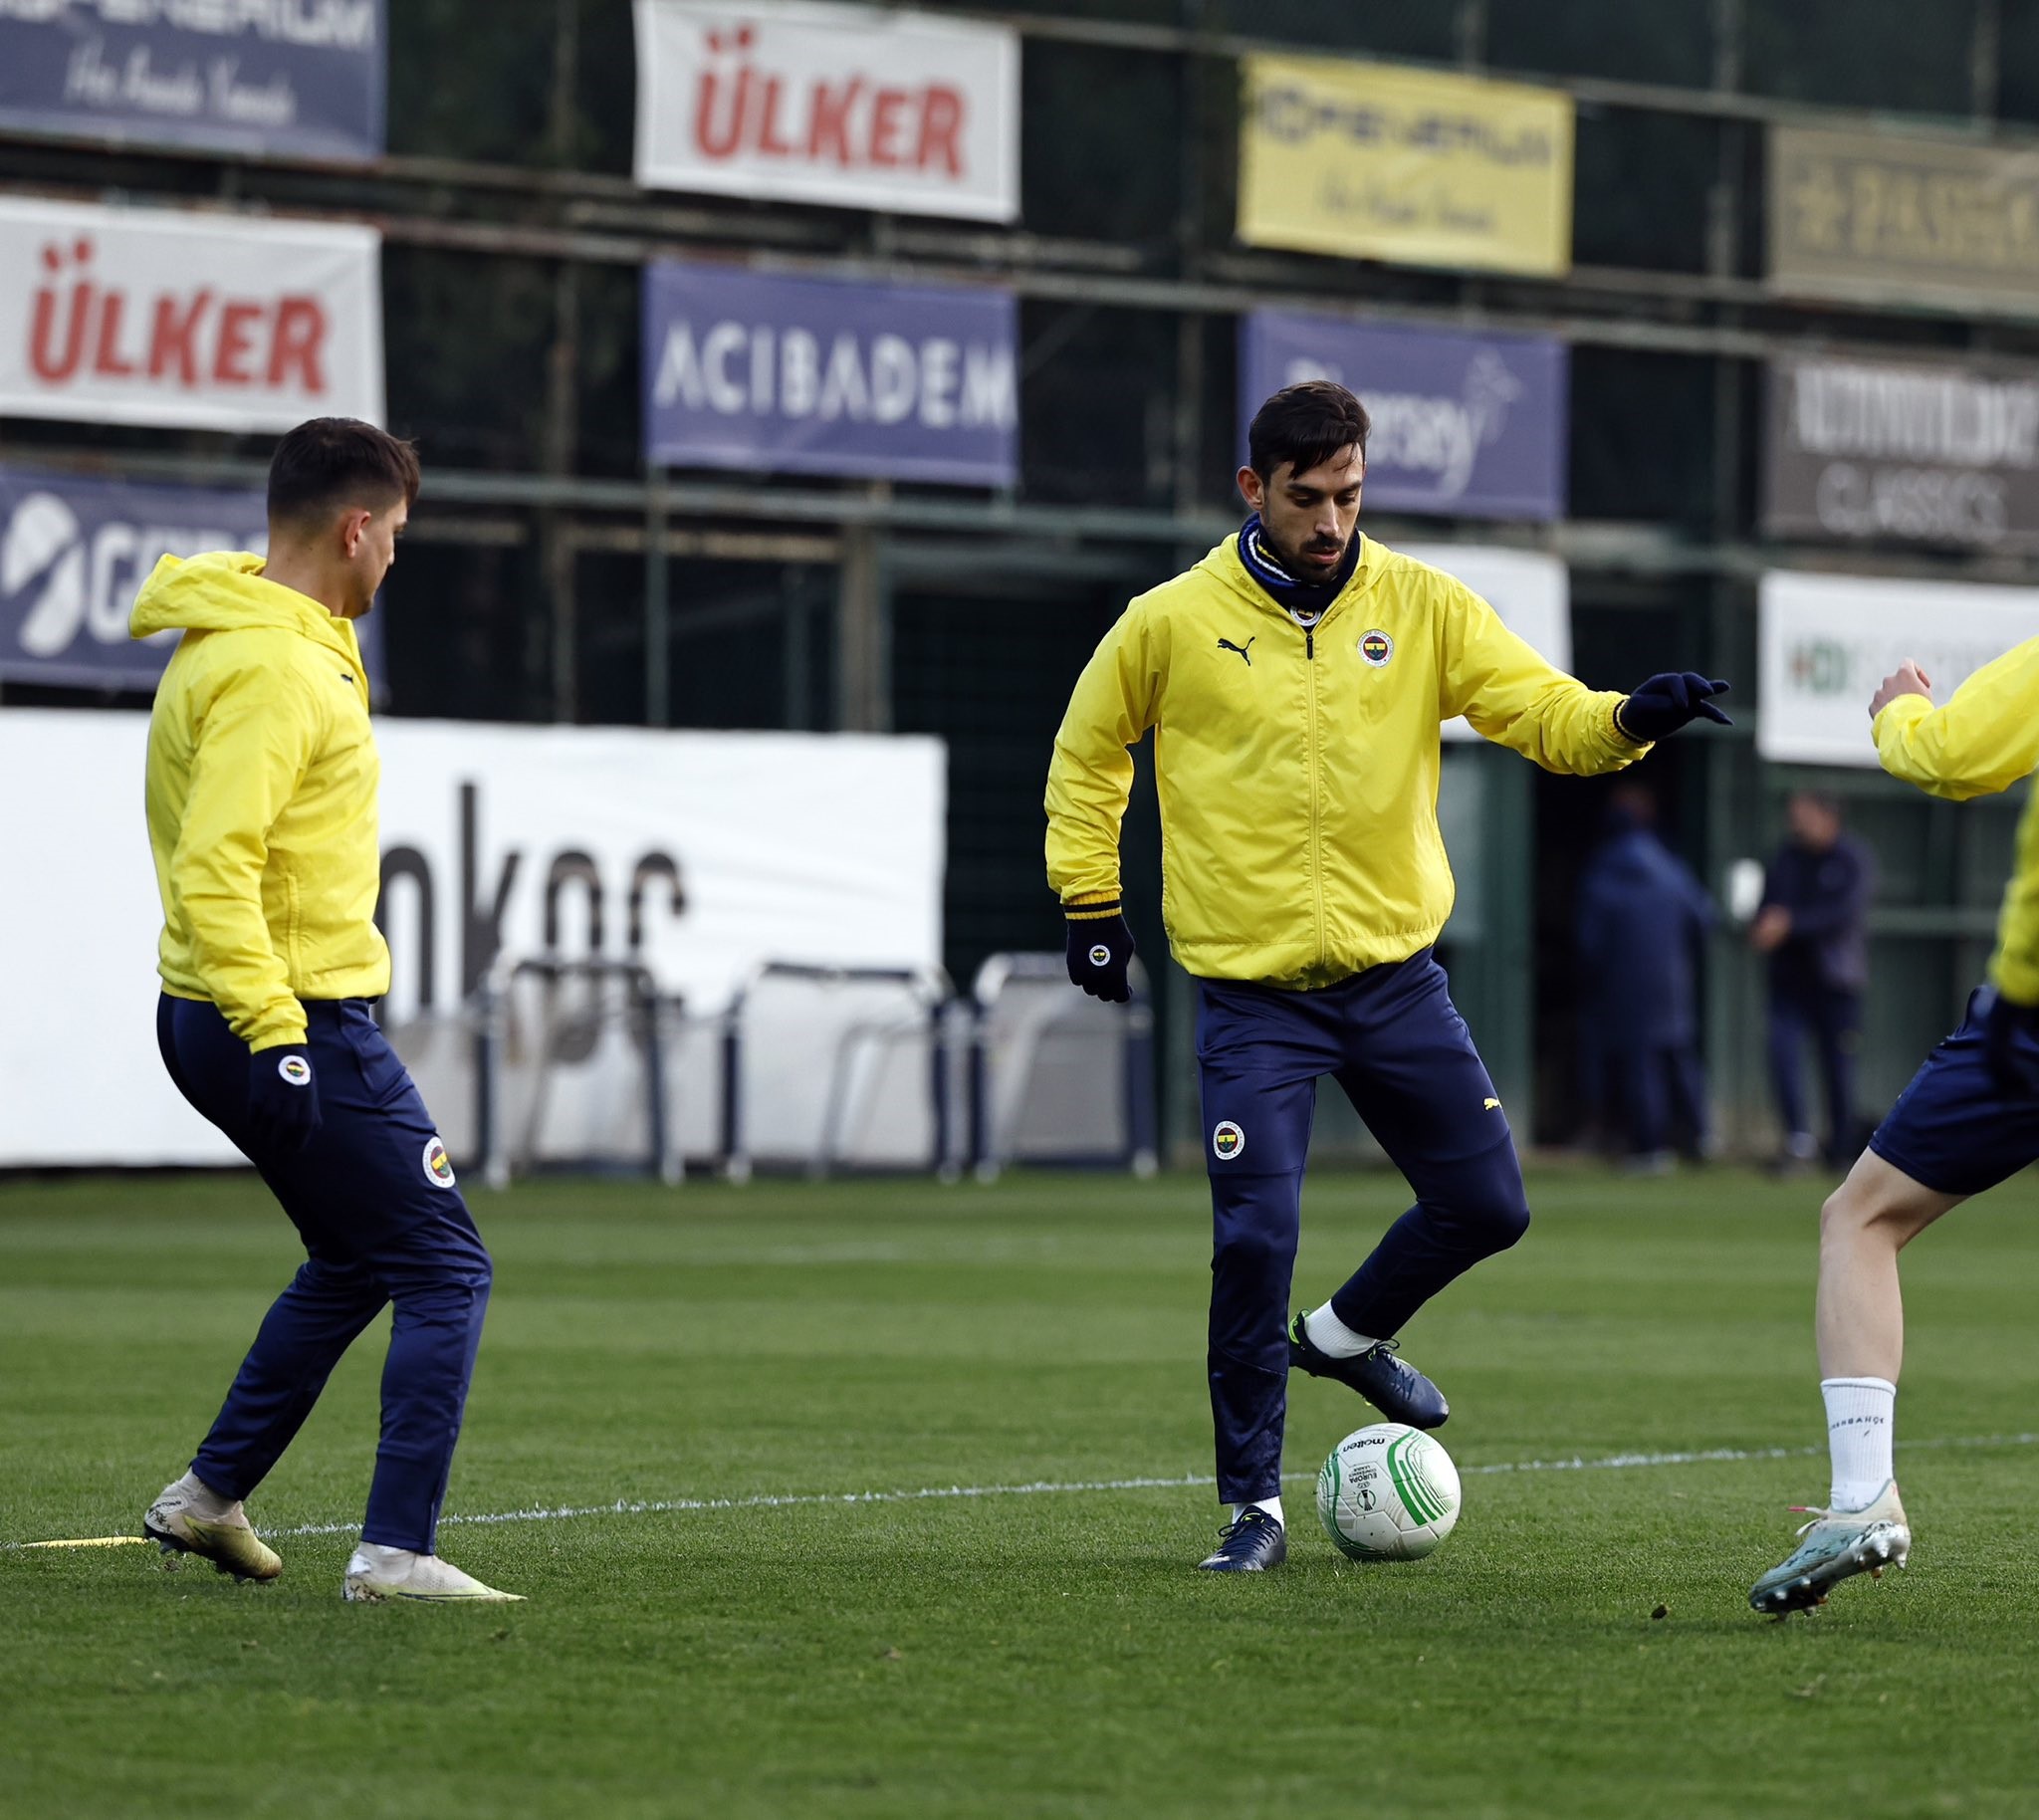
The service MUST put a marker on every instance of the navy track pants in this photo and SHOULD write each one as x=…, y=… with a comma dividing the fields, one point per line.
x=1394, y=1041
x=373, y=1200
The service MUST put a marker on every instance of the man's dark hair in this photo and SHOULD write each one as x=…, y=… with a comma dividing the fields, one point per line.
x=336, y=461
x=1303, y=426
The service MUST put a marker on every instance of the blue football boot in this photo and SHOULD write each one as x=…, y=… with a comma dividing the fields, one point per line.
x=1249, y=1544
x=1398, y=1390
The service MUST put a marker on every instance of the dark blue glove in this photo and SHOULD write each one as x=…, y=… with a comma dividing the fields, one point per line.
x=1665, y=703
x=283, y=1098
x=2010, y=1043
x=1101, y=949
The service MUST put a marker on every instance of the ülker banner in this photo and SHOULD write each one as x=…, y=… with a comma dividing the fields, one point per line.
x=176, y=317
x=858, y=106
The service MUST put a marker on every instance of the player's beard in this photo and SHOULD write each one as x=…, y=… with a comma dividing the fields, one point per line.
x=1292, y=556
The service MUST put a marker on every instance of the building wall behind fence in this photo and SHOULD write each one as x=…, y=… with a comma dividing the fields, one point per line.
x=551, y=575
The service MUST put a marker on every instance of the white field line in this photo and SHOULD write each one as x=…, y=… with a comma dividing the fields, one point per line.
x=1043, y=1487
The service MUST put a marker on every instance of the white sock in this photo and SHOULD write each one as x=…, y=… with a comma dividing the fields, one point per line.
x=376, y=1555
x=206, y=1504
x=1272, y=1506
x=1860, y=1420
x=1331, y=1336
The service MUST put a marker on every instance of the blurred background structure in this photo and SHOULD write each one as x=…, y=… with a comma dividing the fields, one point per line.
x=1711, y=328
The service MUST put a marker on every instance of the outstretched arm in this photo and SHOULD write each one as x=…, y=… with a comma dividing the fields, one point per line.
x=1982, y=740
x=1504, y=686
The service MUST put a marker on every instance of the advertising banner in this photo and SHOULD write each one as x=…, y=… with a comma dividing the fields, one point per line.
x=1415, y=168
x=1891, y=218
x=74, y=549
x=1466, y=425
x=813, y=375
x=1865, y=452
x=702, y=854
x=1824, y=643
x=306, y=80
x=177, y=317
x=863, y=106
x=1531, y=591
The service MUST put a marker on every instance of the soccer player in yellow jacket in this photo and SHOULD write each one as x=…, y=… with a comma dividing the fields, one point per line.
x=1296, y=680
x=262, y=816
x=1969, y=1120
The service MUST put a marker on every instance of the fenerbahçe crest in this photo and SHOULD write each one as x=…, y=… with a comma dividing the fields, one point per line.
x=1376, y=647
x=1228, y=1141
x=438, y=1165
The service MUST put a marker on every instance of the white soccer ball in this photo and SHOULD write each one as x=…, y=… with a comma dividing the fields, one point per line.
x=1388, y=1494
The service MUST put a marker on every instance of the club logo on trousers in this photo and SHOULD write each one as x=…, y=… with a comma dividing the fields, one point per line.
x=1228, y=1141
x=438, y=1165
x=1376, y=647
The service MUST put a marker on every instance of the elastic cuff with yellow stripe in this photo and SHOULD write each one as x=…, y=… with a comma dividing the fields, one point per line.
x=1092, y=909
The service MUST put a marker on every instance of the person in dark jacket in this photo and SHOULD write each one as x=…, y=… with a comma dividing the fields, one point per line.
x=1814, y=926
x=1639, y=920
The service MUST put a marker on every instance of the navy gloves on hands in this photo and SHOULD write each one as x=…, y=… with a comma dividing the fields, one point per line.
x=1101, y=949
x=2010, y=1038
x=283, y=1098
x=1667, y=702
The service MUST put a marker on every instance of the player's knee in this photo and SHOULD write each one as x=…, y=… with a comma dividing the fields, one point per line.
x=1249, y=1250
x=1492, y=1200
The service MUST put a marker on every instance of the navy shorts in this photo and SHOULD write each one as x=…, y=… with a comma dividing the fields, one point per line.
x=1954, y=1129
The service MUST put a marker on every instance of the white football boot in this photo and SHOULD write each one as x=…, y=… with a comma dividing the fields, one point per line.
x=376, y=1574
x=191, y=1518
x=1837, y=1543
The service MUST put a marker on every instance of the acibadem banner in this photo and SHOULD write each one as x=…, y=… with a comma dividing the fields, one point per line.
x=1403, y=166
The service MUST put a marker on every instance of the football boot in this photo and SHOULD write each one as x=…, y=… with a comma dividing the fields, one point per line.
x=1249, y=1544
x=1395, y=1388
x=377, y=1575
x=189, y=1518
x=1835, y=1544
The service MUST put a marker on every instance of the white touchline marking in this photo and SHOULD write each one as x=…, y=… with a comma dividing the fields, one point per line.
x=1041, y=1487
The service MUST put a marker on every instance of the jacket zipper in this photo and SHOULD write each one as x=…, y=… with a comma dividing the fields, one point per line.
x=1309, y=656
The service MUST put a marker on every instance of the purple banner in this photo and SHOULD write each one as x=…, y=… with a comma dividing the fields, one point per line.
x=305, y=79
x=810, y=375
x=1464, y=425
x=75, y=552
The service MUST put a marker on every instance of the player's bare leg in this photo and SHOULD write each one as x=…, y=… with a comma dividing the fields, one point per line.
x=1865, y=1224
x=1872, y=1217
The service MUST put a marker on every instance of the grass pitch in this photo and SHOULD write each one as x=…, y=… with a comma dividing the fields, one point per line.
x=1030, y=1651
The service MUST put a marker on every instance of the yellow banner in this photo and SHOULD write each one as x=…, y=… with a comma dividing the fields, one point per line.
x=1403, y=165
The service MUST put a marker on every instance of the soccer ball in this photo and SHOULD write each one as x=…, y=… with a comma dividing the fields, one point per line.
x=1388, y=1494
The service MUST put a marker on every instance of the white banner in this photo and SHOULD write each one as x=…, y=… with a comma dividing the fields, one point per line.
x=1531, y=591
x=176, y=317
x=703, y=854
x=798, y=102
x=1826, y=641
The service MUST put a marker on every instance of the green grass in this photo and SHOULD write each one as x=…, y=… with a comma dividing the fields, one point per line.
x=1026, y=1655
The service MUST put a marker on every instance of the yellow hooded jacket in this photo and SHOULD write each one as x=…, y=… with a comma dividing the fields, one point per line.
x=1299, y=770
x=1982, y=740
x=261, y=796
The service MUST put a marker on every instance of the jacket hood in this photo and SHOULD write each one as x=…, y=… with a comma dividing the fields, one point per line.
x=224, y=592
x=1223, y=563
